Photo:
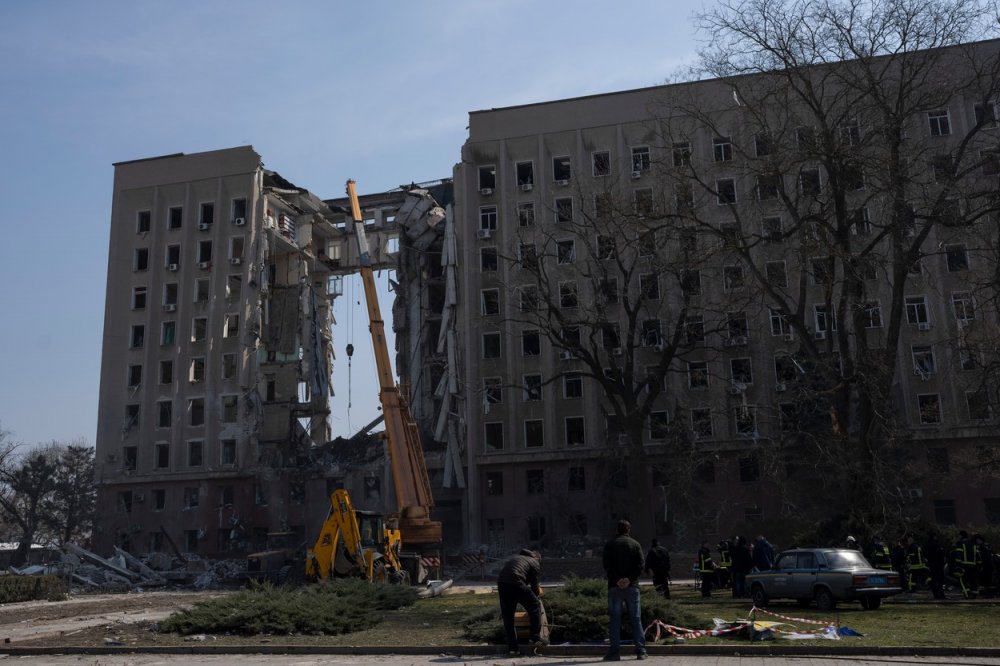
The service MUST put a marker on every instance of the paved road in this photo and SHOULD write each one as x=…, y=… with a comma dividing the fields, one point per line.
x=447, y=660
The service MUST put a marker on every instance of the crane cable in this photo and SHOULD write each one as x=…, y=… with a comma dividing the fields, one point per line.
x=350, y=347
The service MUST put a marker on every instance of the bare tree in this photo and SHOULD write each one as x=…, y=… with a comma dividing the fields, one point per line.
x=849, y=146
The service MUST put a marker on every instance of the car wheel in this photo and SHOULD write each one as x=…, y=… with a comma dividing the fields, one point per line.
x=825, y=600
x=871, y=603
x=759, y=596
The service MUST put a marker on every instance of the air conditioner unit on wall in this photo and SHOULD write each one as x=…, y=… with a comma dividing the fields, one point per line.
x=236, y=261
x=616, y=351
x=527, y=187
x=820, y=335
x=924, y=326
x=737, y=341
x=483, y=234
x=565, y=355
x=204, y=226
x=170, y=307
x=204, y=264
x=658, y=347
x=636, y=174
x=486, y=191
x=563, y=182
x=780, y=387
x=239, y=221
x=171, y=267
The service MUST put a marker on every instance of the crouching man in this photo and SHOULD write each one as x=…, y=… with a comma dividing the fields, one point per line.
x=518, y=584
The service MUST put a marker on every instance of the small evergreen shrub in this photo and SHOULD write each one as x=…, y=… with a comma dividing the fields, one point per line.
x=31, y=588
x=327, y=608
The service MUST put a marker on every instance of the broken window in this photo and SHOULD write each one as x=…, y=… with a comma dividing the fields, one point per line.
x=561, y=170
x=207, y=214
x=640, y=159
x=175, y=215
x=231, y=326
x=644, y=204
x=771, y=228
x=131, y=416
x=566, y=251
x=531, y=343
x=234, y=287
x=822, y=270
x=694, y=329
x=741, y=372
x=649, y=286
x=682, y=153
x=809, y=183
x=701, y=422
x=162, y=456
x=872, y=315
x=529, y=297
x=823, y=320
x=493, y=390
x=525, y=174
x=570, y=336
x=774, y=272
x=923, y=361
x=236, y=249
x=805, y=138
x=568, y=295
x=659, y=426
x=168, y=330
x=572, y=385
x=746, y=421
x=173, y=257
x=978, y=403
x=534, y=433
x=199, y=328
x=140, y=261
x=611, y=338
x=167, y=372
x=768, y=187
x=968, y=358
x=607, y=290
x=142, y=221
x=564, y=210
x=487, y=178
x=528, y=256
x=526, y=214
x=164, y=413
x=963, y=306
x=493, y=436
x=125, y=500
x=196, y=372
x=138, y=336
x=134, y=375
x=488, y=218
x=204, y=252
x=601, y=161
x=778, y=322
x=649, y=332
x=725, y=191
x=490, y=301
x=494, y=484
x=929, y=408
x=697, y=374
x=683, y=198
x=131, y=458
x=604, y=205
x=535, y=481
x=763, y=144
x=170, y=294
x=532, y=387
x=196, y=412
x=228, y=366
x=958, y=258
x=737, y=325
x=488, y=260
x=239, y=208
x=138, y=298
x=916, y=310
x=230, y=408
x=191, y=500
x=195, y=451
x=577, y=479
x=732, y=277
x=491, y=345
x=227, y=451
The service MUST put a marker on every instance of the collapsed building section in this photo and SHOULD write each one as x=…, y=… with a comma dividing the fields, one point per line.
x=214, y=429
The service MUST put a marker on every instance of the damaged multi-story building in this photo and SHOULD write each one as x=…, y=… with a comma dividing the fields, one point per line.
x=511, y=314
x=213, y=426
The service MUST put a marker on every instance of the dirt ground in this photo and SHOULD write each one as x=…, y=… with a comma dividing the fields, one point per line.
x=93, y=620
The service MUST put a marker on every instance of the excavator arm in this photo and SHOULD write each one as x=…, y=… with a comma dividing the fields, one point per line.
x=340, y=523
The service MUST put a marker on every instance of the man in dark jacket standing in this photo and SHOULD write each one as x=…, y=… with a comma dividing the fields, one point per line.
x=742, y=564
x=763, y=554
x=518, y=584
x=658, y=564
x=623, y=564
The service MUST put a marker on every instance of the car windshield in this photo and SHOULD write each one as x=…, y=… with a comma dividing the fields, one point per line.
x=846, y=559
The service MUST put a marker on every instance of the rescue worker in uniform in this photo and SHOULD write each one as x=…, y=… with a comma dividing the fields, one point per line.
x=934, y=554
x=706, y=569
x=918, y=571
x=880, y=553
x=987, y=567
x=724, y=572
x=897, y=555
x=964, y=564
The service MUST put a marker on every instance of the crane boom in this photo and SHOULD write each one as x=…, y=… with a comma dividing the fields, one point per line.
x=406, y=455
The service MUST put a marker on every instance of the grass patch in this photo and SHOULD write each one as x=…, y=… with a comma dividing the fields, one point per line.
x=328, y=608
x=578, y=613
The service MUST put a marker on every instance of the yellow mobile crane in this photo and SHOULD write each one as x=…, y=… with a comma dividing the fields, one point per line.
x=411, y=524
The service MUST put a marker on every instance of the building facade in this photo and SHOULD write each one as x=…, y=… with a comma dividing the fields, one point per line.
x=746, y=256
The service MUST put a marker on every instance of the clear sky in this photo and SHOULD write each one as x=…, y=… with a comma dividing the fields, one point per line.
x=324, y=90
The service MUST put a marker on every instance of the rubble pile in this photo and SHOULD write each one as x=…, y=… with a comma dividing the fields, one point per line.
x=123, y=571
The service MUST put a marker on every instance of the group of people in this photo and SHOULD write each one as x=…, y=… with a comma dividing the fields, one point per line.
x=970, y=565
x=623, y=563
x=737, y=558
